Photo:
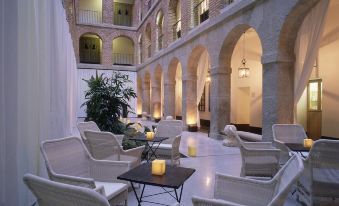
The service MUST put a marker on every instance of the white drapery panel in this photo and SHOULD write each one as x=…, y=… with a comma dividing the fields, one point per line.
x=38, y=90
x=307, y=46
x=202, y=72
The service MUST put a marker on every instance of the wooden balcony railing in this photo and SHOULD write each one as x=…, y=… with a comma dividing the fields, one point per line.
x=91, y=17
x=123, y=59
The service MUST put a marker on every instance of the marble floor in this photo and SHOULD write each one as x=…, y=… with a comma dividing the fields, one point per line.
x=211, y=157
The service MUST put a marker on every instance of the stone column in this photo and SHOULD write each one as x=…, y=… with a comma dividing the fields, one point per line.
x=278, y=84
x=189, y=99
x=146, y=97
x=107, y=11
x=220, y=100
x=106, y=53
x=169, y=98
x=156, y=101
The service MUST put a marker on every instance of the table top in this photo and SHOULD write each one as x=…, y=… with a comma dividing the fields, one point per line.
x=142, y=137
x=173, y=178
x=297, y=147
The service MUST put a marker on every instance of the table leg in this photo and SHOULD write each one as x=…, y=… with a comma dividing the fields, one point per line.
x=178, y=199
x=136, y=194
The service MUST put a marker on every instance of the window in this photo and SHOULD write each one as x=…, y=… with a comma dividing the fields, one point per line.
x=201, y=11
x=314, y=95
x=202, y=104
x=122, y=14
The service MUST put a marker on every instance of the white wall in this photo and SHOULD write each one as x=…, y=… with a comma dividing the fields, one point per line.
x=82, y=87
x=253, y=82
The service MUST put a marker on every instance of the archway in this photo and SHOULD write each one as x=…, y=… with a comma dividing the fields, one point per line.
x=173, y=86
x=146, y=93
x=159, y=30
x=123, y=51
x=194, y=86
x=90, y=47
x=139, y=96
x=157, y=93
x=174, y=19
x=148, y=40
x=140, y=52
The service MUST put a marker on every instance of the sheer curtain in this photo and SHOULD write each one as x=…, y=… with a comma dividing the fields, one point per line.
x=202, y=72
x=38, y=90
x=307, y=46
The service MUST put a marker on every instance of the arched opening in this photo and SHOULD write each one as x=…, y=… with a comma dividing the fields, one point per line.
x=246, y=82
x=197, y=82
x=148, y=42
x=159, y=30
x=175, y=88
x=123, y=51
x=157, y=93
x=146, y=94
x=316, y=92
x=90, y=46
x=174, y=18
x=200, y=11
x=139, y=96
x=123, y=13
x=140, y=52
x=90, y=11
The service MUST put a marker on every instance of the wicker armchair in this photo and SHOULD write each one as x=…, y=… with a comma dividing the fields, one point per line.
x=92, y=126
x=175, y=154
x=321, y=175
x=105, y=146
x=241, y=191
x=258, y=158
x=68, y=161
x=287, y=133
x=49, y=193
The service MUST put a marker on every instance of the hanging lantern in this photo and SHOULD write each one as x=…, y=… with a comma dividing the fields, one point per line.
x=243, y=71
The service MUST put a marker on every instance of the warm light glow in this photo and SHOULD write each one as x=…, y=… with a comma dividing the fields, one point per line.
x=244, y=72
x=208, y=79
x=192, y=150
x=191, y=120
x=308, y=143
x=208, y=181
x=150, y=135
x=158, y=167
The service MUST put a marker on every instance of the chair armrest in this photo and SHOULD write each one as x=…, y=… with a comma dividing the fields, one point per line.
x=199, y=201
x=135, y=152
x=259, y=145
x=280, y=145
x=72, y=180
x=108, y=171
x=262, y=152
x=100, y=190
x=119, y=137
x=234, y=189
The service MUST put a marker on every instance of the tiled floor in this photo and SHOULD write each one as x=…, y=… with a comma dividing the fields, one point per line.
x=211, y=157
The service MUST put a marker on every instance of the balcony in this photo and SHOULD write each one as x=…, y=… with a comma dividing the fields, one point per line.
x=123, y=59
x=176, y=28
x=122, y=14
x=90, y=17
x=201, y=12
x=122, y=20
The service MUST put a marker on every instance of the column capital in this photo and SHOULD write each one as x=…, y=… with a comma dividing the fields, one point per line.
x=276, y=56
x=220, y=70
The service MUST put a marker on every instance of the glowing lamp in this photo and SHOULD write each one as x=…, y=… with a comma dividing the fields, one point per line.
x=150, y=135
x=158, y=167
x=308, y=143
x=192, y=150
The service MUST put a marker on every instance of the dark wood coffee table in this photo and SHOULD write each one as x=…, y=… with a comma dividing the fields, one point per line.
x=151, y=145
x=298, y=147
x=174, y=179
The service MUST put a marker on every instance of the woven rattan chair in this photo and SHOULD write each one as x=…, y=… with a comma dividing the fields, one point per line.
x=321, y=176
x=92, y=126
x=50, y=193
x=175, y=154
x=105, y=146
x=68, y=161
x=258, y=158
x=287, y=133
x=238, y=191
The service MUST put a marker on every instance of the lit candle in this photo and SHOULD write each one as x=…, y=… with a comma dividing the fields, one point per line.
x=308, y=143
x=150, y=135
x=158, y=167
x=192, y=150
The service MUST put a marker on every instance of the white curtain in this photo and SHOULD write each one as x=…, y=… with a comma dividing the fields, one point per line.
x=38, y=90
x=202, y=72
x=307, y=46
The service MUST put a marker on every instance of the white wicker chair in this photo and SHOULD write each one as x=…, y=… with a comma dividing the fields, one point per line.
x=49, y=193
x=233, y=191
x=105, y=146
x=68, y=161
x=258, y=158
x=321, y=176
x=175, y=154
x=287, y=133
x=171, y=129
x=92, y=126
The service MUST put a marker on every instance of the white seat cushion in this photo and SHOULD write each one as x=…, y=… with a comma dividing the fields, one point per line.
x=112, y=189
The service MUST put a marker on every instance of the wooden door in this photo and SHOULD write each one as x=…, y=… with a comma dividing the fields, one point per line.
x=90, y=50
x=314, y=109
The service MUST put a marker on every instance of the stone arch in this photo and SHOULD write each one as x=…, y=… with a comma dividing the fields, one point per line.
x=140, y=51
x=139, y=95
x=146, y=94
x=123, y=50
x=174, y=19
x=173, y=88
x=159, y=22
x=90, y=48
x=157, y=92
